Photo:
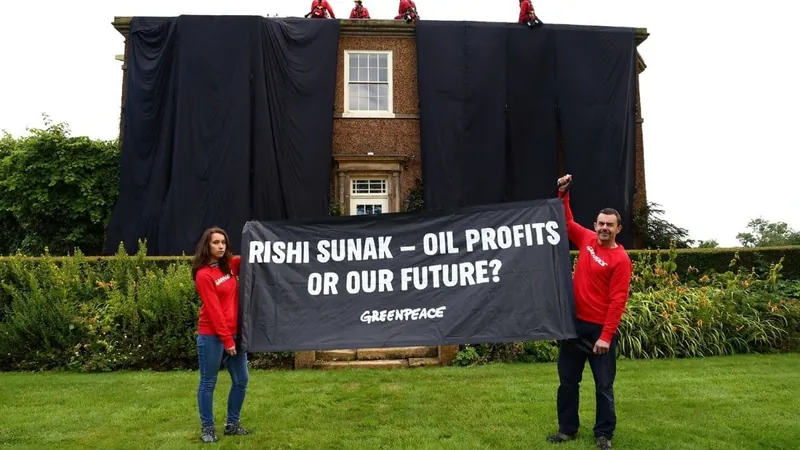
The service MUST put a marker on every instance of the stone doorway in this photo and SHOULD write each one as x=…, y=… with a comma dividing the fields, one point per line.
x=364, y=185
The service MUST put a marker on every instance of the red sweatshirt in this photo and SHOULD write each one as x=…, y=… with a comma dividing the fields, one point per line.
x=602, y=277
x=404, y=5
x=364, y=14
x=219, y=294
x=320, y=8
x=525, y=10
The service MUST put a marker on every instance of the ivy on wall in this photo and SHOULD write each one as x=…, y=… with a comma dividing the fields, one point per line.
x=415, y=200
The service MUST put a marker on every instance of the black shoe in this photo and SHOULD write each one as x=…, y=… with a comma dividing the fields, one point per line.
x=235, y=429
x=603, y=443
x=560, y=437
x=208, y=435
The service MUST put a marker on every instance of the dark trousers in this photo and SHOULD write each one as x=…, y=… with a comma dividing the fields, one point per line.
x=572, y=358
x=533, y=23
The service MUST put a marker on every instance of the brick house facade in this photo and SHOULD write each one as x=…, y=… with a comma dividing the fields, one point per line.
x=376, y=146
x=384, y=145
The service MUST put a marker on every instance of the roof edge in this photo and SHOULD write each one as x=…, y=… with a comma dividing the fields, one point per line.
x=385, y=28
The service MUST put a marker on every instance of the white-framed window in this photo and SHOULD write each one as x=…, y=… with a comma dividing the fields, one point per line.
x=367, y=186
x=368, y=196
x=368, y=83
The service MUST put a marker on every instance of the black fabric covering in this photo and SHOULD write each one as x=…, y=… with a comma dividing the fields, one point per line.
x=576, y=78
x=462, y=111
x=595, y=83
x=531, y=144
x=227, y=119
x=285, y=307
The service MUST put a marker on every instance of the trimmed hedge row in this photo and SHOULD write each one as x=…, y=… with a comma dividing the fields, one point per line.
x=708, y=260
x=138, y=312
x=705, y=260
x=741, y=310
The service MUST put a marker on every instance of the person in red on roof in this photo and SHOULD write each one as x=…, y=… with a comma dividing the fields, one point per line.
x=407, y=11
x=215, y=271
x=359, y=12
x=527, y=15
x=320, y=9
x=601, y=285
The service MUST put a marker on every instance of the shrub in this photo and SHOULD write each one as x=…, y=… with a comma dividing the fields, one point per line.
x=415, y=200
x=717, y=260
x=39, y=328
x=136, y=312
x=57, y=191
x=122, y=312
x=737, y=311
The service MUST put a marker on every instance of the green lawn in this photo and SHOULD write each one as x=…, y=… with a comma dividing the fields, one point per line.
x=717, y=403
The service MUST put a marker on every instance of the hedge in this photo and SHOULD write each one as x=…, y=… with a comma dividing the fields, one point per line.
x=137, y=312
x=706, y=260
x=718, y=260
x=740, y=310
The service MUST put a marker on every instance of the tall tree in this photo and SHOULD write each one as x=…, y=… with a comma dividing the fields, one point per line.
x=764, y=233
x=657, y=232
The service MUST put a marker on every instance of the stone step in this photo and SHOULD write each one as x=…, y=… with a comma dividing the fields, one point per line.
x=423, y=362
x=336, y=355
x=369, y=354
x=376, y=364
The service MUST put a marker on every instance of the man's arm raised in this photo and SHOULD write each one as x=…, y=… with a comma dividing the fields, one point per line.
x=576, y=233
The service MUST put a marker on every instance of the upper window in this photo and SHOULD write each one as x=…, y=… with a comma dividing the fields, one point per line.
x=368, y=86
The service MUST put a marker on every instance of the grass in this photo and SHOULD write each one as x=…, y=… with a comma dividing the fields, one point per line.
x=736, y=402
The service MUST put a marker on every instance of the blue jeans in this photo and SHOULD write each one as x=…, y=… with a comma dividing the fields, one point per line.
x=210, y=351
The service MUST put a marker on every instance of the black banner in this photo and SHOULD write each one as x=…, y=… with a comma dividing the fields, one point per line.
x=498, y=273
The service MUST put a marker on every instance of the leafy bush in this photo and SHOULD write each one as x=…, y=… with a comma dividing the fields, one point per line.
x=124, y=312
x=415, y=200
x=38, y=328
x=88, y=313
x=717, y=260
x=737, y=311
x=56, y=191
x=482, y=353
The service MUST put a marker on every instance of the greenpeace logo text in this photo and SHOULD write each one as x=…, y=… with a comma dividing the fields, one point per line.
x=402, y=314
x=595, y=257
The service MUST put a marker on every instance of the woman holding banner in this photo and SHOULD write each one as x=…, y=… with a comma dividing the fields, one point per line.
x=215, y=271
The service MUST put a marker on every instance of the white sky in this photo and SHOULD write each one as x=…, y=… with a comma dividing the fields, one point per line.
x=719, y=96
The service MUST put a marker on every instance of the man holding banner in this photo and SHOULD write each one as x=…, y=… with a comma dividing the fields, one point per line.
x=601, y=285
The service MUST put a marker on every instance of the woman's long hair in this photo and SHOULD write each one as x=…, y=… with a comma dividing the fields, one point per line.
x=202, y=254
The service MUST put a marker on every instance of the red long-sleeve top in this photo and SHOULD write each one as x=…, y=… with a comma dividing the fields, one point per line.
x=602, y=277
x=364, y=14
x=323, y=4
x=525, y=11
x=219, y=296
x=404, y=5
